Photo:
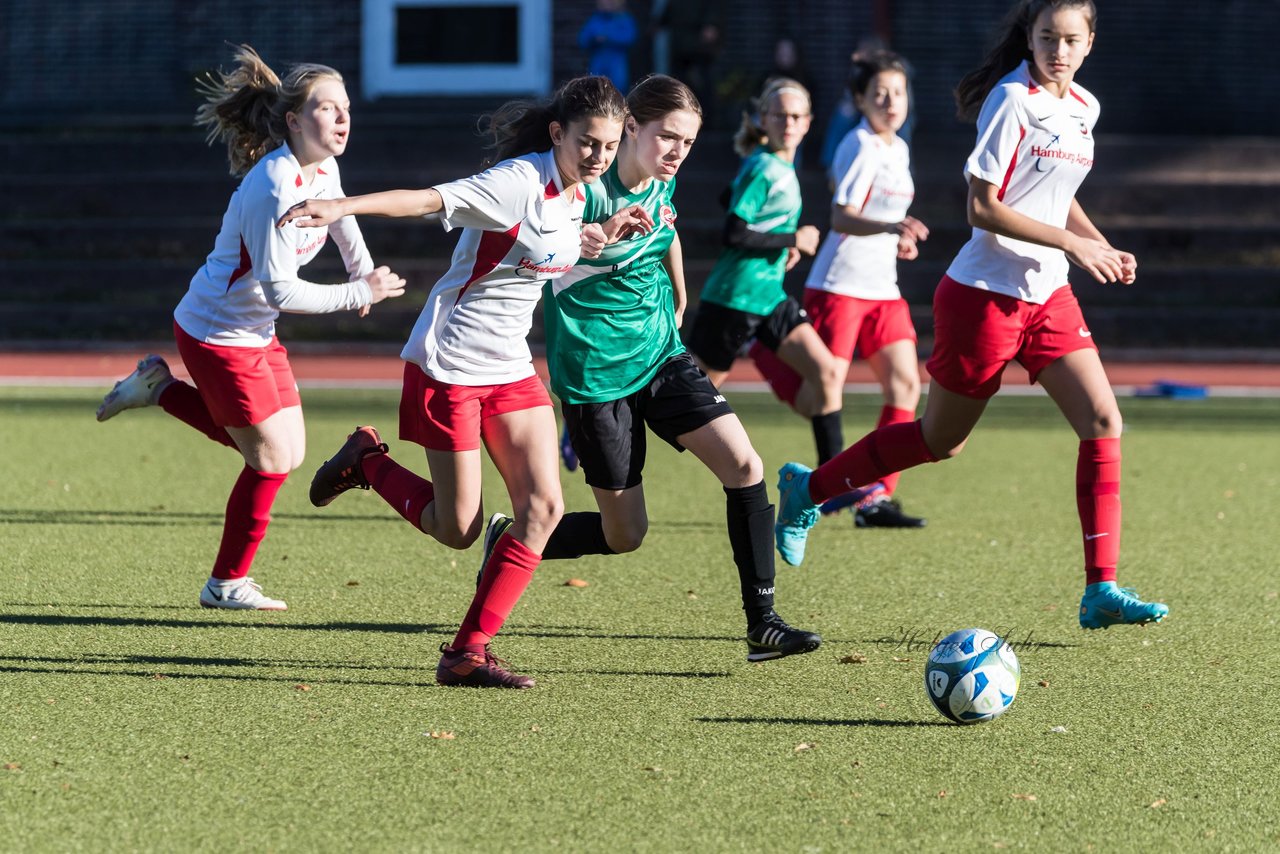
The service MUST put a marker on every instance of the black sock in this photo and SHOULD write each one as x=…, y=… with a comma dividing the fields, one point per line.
x=827, y=435
x=577, y=534
x=750, y=521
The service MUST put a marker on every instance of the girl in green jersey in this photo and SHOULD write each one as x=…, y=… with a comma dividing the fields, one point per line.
x=743, y=297
x=617, y=365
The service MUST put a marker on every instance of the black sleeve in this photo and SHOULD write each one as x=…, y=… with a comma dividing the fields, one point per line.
x=738, y=235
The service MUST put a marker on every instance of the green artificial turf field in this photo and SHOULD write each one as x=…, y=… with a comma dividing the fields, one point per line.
x=134, y=720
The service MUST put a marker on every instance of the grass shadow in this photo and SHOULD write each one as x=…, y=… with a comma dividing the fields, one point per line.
x=11, y=516
x=873, y=722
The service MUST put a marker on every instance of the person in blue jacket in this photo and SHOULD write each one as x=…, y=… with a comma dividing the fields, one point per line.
x=607, y=37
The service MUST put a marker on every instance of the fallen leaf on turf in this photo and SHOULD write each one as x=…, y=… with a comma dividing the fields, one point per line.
x=1058, y=729
x=803, y=746
x=943, y=793
x=692, y=595
x=576, y=582
x=1272, y=595
x=1018, y=797
x=535, y=728
x=12, y=766
x=1044, y=683
x=1049, y=608
x=856, y=658
x=353, y=583
x=1158, y=804
x=653, y=768
x=302, y=687
x=441, y=734
x=895, y=658
x=158, y=676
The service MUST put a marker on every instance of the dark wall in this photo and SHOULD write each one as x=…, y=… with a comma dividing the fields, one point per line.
x=1159, y=67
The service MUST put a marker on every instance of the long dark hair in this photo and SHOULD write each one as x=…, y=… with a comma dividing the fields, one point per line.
x=1010, y=48
x=246, y=108
x=657, y=95
x=523, y=126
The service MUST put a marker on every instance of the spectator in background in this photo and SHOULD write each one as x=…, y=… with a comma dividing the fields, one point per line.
x=695, y=32
x=607, y=38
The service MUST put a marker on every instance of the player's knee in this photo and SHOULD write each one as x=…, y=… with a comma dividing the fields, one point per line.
x=543, y=512
x=1108, y=425
x=626, y=539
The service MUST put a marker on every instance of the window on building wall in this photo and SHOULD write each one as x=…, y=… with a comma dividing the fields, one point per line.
x=455, y=47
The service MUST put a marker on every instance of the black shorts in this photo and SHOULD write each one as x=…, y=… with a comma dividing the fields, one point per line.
x=719, y=333
x=609, y=438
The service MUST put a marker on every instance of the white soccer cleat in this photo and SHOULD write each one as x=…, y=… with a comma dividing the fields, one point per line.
x=241, y=594
x=140, y=388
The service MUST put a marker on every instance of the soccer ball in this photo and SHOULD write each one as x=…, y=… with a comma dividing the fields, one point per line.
x=972, y=676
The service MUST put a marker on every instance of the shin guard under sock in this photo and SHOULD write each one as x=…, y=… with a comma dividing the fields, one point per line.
x=248, y=514
x=510, y=569
x=1098, y=501
x=749, y=517
x=407, y=493
x=576, y=535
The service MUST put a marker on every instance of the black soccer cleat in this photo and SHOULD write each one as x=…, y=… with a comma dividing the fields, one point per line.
x=342, y=471
x=884, y=513
x=773, y=638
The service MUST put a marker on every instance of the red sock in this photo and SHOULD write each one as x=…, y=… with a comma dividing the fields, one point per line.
x=784, y=381
x=407, y=493
x=877, y=454
x=184, y=403
x=512, y=565
x=1098, y=500
x=248, y=514
x=893, y=415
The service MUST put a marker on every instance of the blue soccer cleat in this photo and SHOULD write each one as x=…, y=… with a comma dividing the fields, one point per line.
x=1104, y=604
x=567, y=453
x=796, y=512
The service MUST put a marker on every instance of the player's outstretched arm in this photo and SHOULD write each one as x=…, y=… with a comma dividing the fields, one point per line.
x=316, y=213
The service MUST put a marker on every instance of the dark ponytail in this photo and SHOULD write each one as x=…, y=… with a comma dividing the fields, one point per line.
x=522, y=127
x=1010, y=49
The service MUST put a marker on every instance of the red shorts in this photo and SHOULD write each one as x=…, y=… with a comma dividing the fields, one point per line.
x=845, y=322
x=443, y=417
x=241, y=386
x=977, y=333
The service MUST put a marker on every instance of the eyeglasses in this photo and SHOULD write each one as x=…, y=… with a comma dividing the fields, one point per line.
x=790, y=117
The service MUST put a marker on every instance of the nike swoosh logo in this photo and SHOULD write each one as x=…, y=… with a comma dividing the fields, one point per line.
x=1114, y=615
x=1042, y=118
x=1095, y=536
x=1084, y=333
x=215, y=594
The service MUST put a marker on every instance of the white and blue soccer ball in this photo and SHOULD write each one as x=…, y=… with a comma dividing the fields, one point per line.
x=972, y=676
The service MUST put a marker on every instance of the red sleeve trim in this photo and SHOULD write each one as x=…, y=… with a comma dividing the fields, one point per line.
x=1022, y=134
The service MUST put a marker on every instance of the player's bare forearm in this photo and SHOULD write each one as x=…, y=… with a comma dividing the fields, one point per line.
x=674, y=262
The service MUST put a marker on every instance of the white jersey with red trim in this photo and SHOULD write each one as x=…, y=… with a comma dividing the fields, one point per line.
x=518, y=231
x=1037, y=148
x=874, y=177
x=224, y=304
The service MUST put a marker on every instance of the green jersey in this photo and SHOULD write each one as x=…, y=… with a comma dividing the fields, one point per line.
x=765, y=195
x=610, y=321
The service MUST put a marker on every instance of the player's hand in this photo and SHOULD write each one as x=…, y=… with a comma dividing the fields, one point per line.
x=793, y=256
x=383, y=284
x=807, y=240
x=913, y=228
x=907, y=248
x=628, y=222
x=593, y=240
x=313, y=213
x=1098, y=259
x=1128, y=268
